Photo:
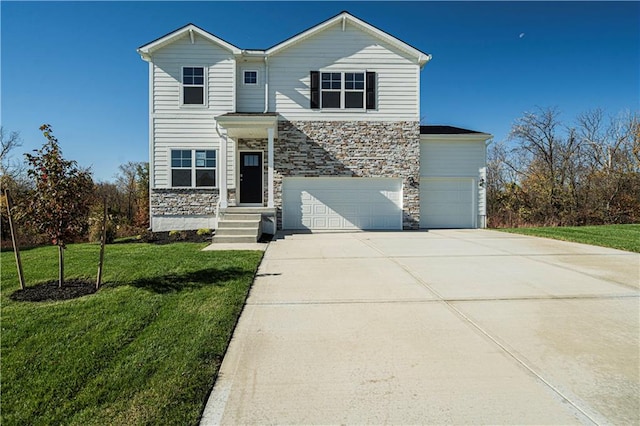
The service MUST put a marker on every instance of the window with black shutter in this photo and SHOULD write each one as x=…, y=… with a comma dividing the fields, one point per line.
x=371, y=90
x=343, y=90
x=315, y=89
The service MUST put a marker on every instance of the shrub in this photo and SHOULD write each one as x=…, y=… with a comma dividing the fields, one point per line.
x=95, y=232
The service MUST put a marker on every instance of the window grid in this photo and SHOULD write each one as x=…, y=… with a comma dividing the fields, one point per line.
x=193, y=86
x=193, y=168
x=336, y=95
x=250, y=77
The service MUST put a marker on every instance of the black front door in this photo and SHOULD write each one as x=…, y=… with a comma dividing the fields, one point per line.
x=250, y=178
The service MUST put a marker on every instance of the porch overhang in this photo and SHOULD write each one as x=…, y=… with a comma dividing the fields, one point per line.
x=249, y=125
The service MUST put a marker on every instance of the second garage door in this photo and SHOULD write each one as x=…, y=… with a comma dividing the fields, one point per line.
x=341, y=203
x=447, y=203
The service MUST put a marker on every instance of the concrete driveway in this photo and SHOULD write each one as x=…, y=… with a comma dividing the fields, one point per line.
x=439, y=327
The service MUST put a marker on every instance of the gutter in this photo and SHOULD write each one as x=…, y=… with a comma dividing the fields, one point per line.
x=266, y=84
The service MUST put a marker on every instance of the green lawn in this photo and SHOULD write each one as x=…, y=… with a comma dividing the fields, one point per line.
x=143, y=350
x=623, y=237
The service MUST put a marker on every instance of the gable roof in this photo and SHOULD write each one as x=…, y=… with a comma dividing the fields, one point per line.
x=190, y=29
x=342, y=18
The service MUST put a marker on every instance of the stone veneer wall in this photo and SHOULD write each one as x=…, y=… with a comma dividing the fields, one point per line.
x=352, y=148
x=188, y=202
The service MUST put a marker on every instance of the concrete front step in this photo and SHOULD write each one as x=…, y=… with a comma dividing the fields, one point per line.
x=239, y=224
x=258, y=210
x=242, y=216
x=234, y=239
x=237, y=231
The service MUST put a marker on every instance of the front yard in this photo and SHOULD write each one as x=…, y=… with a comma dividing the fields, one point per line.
x=145, y=349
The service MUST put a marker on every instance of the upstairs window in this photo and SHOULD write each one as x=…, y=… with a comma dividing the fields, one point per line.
x=193, y=168
x=354, y=90
x=343, y=90
x=193, y=85
x=250, y=77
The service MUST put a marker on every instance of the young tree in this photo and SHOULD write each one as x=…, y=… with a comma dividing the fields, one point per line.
x=59, y=205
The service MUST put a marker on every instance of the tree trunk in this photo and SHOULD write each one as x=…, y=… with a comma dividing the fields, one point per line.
x=14, y=238
x=103, y=238
x=60, y=266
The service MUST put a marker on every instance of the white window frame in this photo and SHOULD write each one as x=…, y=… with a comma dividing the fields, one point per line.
x=244, y=72
x=193, y=168
x=343, y=90
x=203, y=85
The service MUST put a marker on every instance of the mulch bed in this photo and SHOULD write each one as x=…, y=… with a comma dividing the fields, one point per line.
x=181, y=236
x=49, y=291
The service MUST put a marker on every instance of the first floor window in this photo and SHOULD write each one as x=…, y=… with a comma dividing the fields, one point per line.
x=193, y=168
x=181, y=167
x=193, y=85
x=205, y=168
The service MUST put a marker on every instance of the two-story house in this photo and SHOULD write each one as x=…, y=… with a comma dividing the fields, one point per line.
x=320, y=131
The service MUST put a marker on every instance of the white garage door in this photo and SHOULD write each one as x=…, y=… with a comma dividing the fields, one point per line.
x=447, y=203
x=341, y=203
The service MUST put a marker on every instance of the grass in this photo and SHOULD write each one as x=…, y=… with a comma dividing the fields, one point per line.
x=623, y=237
x=145, y=349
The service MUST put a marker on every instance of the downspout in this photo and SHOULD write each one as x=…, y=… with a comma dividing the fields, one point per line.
x=266, y=84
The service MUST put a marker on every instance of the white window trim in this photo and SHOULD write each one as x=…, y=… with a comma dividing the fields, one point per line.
x=205, y=88
x=193, y=169
x=342, y=107
x=257, y=83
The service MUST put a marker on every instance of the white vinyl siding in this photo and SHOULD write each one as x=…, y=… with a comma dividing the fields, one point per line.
x=352, y=50
x=250, y=96
x=341, y=203
x=176, y=126
x=451, y=158
x=186, y=132
x=167, y=75
x=450, y=170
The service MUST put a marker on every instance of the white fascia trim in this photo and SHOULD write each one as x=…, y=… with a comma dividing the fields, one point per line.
x=421, y=57
x=479, y=137
x=190, y=29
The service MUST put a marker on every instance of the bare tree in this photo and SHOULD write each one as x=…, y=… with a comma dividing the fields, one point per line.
x=587, y=173
x=127, y=182
x=8, y=142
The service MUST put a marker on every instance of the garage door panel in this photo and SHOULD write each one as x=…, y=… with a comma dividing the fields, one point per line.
x=447, y=203
x=342, y=203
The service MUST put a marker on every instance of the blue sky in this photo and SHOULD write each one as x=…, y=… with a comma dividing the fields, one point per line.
x=74, y=64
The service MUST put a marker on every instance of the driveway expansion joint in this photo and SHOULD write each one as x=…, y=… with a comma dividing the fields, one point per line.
x=510, y=352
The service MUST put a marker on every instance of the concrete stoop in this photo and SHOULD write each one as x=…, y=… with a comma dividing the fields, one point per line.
x=239, y=225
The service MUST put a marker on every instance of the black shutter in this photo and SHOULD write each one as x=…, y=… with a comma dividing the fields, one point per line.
x=315, y=89
x=371, y=90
